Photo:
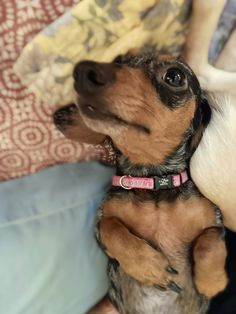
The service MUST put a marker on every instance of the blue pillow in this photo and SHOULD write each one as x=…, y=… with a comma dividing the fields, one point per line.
x=50, y=262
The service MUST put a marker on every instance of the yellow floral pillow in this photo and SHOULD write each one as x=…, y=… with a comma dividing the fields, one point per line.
x=98, y=30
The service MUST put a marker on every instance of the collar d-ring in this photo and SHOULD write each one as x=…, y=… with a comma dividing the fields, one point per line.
x=122, y=184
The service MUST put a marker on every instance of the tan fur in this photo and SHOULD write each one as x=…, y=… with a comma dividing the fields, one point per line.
x=145, y=108
x=124, y=218
x=79, y=132
x=208, y=278
x=122, y=244
x=185, y=218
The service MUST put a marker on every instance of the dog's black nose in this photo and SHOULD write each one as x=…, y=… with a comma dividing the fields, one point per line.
x=90, y=77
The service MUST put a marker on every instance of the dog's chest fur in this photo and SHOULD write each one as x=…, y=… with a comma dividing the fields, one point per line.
x=140, y=299
x=169, y=225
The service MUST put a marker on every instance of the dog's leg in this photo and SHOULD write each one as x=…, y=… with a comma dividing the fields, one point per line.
x=135, y=256
x=209, y=254
x=203, y=23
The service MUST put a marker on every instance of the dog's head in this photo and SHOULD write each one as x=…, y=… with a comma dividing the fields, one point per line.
x=148, y=106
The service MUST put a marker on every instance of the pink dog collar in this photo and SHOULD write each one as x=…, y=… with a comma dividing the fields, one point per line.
x=153, y=183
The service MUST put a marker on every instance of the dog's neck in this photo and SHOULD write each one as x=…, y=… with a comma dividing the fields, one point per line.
x=176, y=162
x=179, y=159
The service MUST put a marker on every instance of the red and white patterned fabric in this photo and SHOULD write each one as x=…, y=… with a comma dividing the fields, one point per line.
x=28, y=139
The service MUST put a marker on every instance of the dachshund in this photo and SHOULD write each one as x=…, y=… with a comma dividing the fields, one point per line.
x=164, y=239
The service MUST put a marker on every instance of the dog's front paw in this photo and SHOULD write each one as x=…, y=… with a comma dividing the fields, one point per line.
x=151, y=267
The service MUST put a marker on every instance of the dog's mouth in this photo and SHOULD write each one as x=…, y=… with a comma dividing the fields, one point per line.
x=95, y=113
x=89, y=110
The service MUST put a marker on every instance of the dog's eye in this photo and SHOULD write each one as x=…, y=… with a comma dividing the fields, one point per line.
x=174, y=77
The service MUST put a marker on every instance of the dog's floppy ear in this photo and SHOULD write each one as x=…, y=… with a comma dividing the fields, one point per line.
x=69, y=121
x=201, y=119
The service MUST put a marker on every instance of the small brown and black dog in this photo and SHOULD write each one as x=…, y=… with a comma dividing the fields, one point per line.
x=166, y=247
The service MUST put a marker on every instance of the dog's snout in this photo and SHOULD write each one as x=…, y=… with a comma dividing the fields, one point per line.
x=91, y=77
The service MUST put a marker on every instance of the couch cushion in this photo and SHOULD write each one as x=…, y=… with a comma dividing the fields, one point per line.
x=50, y=261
